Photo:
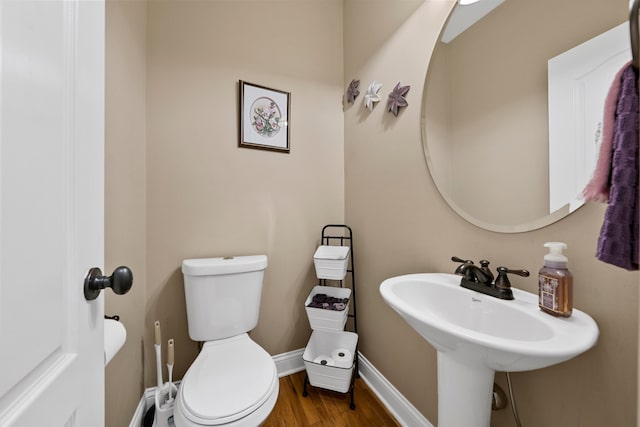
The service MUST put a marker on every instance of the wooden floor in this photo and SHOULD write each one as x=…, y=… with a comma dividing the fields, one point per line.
x=326, y=408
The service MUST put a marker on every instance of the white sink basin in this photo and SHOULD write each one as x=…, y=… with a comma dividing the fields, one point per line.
x=476, y=335
x=504, y=335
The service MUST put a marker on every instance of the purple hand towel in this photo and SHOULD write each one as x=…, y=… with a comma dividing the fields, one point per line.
x=618, y=241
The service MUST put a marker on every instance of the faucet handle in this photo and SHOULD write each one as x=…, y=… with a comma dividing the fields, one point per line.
x=522, y=273
x=503, y=281
x=458, y=259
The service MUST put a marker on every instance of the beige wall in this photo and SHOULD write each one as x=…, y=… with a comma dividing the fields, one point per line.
x=125, y=197
x=405, y=227
x=177, y=185
x=206, y=196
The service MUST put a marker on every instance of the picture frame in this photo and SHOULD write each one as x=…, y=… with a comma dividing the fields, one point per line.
x=264, y=117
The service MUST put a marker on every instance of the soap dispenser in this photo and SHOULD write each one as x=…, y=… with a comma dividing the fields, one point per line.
x=555, y=282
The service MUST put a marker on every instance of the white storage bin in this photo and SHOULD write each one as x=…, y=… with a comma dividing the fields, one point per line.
x=329, y=359
x=324, y=319
x=331, y=262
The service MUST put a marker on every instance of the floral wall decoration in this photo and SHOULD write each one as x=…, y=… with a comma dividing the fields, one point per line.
x=353, y=91
x=264, y=113
x=397, y=99
x=371, y=97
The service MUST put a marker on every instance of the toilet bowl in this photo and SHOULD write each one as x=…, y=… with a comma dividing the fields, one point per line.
x=233, y=382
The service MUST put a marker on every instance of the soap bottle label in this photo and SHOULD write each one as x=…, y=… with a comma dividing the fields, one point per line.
x=548, y=292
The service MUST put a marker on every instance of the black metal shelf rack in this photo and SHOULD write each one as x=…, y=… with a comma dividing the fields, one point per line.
x=342, y=235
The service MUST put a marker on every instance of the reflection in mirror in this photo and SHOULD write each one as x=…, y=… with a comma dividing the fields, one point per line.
x=486, y=115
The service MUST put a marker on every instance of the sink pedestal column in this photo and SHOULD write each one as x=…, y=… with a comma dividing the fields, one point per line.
x=464, y=392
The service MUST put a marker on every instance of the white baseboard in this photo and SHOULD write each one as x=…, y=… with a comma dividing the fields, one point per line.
x=404, y=412
x=138, y=415
x=291, y=362
x=146, y=401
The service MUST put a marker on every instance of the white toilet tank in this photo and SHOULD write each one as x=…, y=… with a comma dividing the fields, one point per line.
x=222, y=295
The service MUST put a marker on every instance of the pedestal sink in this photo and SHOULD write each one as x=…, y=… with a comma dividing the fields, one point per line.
x=476, y=335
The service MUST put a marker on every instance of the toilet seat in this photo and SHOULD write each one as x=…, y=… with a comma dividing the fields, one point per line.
x=229, y=380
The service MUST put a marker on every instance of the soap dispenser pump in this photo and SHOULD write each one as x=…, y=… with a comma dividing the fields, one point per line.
x=555, y=282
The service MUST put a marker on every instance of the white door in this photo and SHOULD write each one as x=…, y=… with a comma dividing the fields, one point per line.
x=51, y=212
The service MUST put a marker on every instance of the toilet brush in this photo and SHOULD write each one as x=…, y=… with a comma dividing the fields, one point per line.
x=170, y=357
x=158, y=347
x=164, y=393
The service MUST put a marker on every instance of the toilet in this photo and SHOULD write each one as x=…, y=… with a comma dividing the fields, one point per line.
x=233, y=382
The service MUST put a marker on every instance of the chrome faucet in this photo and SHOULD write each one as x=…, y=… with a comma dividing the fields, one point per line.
x=481, y=279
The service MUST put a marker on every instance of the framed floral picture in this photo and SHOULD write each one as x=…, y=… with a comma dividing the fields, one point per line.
x=264, y=117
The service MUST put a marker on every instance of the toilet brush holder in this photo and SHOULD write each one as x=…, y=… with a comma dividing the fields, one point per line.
x=165, y=399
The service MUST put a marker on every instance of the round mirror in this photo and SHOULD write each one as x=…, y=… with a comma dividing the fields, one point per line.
x=513, y=104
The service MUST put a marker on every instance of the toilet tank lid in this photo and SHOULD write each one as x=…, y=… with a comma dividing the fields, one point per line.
x=223, y=265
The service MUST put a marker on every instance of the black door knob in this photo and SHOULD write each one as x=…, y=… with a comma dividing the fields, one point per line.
x=120, y=281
